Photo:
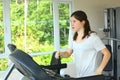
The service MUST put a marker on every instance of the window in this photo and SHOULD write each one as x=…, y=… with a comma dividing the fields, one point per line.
x=1, y=29
x=64, y=23
x=3, y=61
x=64, y=26
x=37, y=34
x=32, y=28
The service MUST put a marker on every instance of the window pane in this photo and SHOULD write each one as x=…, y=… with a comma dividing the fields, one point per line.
x=17, y=23
x=1, y=29
x=43, y=59
x=3, y=64
x=64, y=28
x=64, y=24
x=40, y=26
x=39, y=29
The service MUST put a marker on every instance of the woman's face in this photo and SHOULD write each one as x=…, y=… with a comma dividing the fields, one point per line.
x=76, y=24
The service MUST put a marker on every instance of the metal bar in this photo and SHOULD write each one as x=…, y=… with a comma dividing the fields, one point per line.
x=8, y=72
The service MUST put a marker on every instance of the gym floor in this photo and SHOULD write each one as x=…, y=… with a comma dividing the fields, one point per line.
x=15, y=75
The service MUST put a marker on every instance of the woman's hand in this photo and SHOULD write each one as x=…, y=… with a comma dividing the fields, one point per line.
x=64, y=54
x=57, y=54
x=98, y=72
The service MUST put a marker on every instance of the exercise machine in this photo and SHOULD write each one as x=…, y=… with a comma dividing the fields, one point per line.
x=32, y=71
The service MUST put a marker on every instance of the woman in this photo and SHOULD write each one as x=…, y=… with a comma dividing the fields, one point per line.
x=86, y=47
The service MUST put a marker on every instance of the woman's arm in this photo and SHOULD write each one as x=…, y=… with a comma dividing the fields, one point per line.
x=64, y=54
x=106, y=57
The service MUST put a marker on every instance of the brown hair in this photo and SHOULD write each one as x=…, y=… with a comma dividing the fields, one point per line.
x=80, y=15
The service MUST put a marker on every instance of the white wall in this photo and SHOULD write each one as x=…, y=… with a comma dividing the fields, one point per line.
x=95, y=11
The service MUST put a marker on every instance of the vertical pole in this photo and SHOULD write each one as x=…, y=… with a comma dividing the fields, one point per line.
x=7, y=29
x=25, y=22
x=6, y=22
x=56, y=25
x=118, y=43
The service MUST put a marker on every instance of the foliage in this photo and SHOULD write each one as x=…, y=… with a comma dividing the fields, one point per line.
x=43, y=59
x=1, y=30
x=39, y=29
x=3, y=64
